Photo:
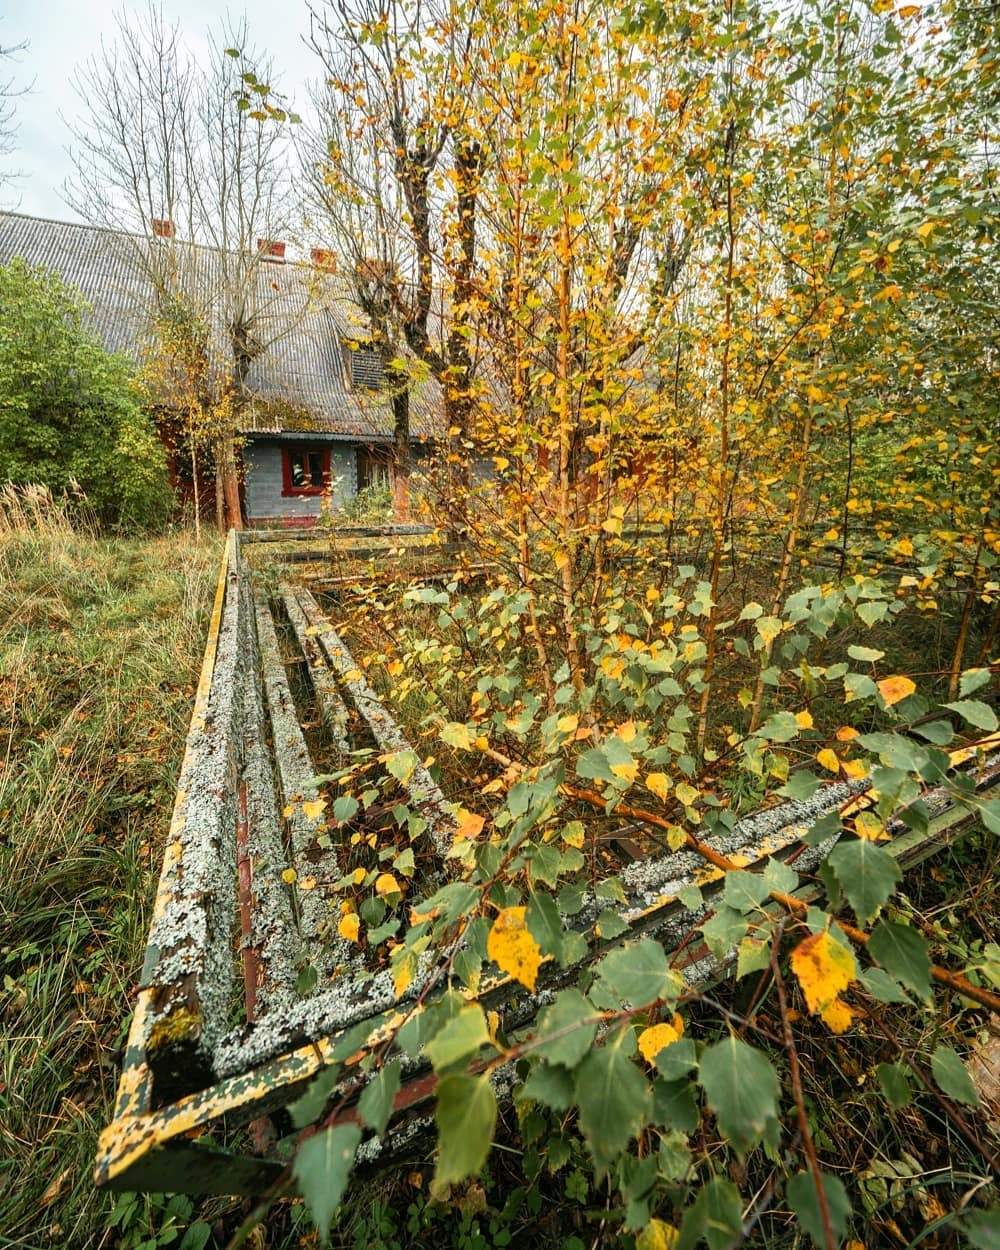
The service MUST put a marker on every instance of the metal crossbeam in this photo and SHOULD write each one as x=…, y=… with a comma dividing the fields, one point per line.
x=247, y=989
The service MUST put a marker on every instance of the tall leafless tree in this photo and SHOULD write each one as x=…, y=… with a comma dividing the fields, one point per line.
x=164, y=138
x=9, y=92
x=394, y=178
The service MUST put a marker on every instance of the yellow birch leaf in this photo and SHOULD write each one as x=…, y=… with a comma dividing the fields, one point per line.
x=687, y=794
x=837, y=1016
x=289, y=876
x=512, y=948
x=804, y=719
x=573, y=834
x=924, y=229
x=658, y=1235
x=469, y=825
x=828, y=759
x=658, y=784
x=655, y=1038
x=824, y=968
x=567, y=724
x=892, y=689
x=386, y=884
x=868, y=826
x=358, y=876
x=313, y=808
x=846, y=733
x=350, y=926
x=627, y=772
x=402, y=974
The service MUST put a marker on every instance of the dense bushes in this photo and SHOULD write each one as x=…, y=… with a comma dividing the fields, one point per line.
x=70, y=411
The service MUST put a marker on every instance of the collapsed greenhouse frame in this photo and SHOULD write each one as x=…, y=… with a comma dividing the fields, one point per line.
x=227, y=927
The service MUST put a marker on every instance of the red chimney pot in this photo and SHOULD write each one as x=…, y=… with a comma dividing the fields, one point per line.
x=323, y=258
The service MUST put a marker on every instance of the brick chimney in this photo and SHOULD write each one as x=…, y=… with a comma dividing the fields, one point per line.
x=323, y=258
x=164, y=228
x=272, y=249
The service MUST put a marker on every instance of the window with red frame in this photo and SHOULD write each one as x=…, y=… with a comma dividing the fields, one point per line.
x=306, y=470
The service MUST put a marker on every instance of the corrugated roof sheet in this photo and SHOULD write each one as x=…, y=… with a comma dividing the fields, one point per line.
x=298, y=383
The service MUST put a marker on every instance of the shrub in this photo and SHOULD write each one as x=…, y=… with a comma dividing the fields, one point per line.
x=70, y=412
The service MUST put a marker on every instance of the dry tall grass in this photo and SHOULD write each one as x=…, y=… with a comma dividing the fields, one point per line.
x=100, y=645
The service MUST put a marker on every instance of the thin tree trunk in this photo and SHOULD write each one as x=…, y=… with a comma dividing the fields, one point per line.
x=784, y=571
x=194, y=487
x=963, y=627
x=724, y=487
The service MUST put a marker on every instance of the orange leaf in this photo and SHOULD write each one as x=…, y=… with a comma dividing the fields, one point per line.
x=892, y=689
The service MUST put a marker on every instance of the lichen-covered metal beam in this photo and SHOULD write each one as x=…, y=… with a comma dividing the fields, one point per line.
x=304, y=807
x=425, y=793
x=187, y=975
x=331, y=706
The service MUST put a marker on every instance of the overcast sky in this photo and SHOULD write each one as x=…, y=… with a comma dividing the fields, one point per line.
x=60, y=34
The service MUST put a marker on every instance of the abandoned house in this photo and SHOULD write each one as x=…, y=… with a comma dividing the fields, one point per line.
x=318, y=415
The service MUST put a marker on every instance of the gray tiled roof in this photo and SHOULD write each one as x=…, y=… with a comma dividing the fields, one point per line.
x=305, y=315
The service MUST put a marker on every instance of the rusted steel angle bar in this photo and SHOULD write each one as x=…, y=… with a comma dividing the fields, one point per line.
x=189, y=951
x=341, y=532
x=424, y=791
x=239, y=1098
x=652, y=889
x=332, y=707
x=133, y=1098
x=303, y=806
x=274, y=934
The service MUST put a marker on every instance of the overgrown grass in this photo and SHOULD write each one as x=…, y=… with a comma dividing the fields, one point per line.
x=100, y=646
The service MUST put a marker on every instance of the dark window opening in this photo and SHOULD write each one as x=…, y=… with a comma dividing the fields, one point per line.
x=366, y=368
x=306, y=470
x=373, y=468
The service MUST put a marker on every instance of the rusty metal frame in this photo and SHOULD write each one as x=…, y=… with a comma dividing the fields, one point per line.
x=187, y=1067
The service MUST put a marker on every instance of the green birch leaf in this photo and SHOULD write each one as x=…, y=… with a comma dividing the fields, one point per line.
x=745, y=891
x=613, y=1097
x=867, y=873
x=375, y=1103
x=308, y=1107
x=552, y=1086
x=902, y=952
x=637, y=974
x=951, y=1075
x=460, y=1038
x=724, y=930
x=804, y=1201
x=742, y=1089
x=544, y=925
x=976, y=713
x=894, y=1083
x=466, y=1117
x=972, y=679
x=321, y=1167
x=882, y=987
x=716, y=1215
x=566, y=1014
